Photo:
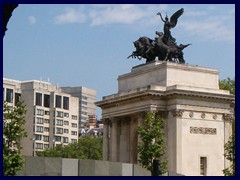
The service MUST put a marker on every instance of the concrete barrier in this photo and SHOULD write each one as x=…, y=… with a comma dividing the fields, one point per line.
x=48, y=166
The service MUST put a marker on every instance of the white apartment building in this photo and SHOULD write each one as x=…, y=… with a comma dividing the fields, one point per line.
x=52, y=115
x=87, y=99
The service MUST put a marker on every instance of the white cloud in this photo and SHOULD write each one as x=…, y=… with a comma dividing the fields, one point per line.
x=70, y=16
x=195, y=13
x=123, y=14
x=216, y=28
x=208, y=23
x=127, y=6
x=107, y=14
x=32, y=20
x=126, y=14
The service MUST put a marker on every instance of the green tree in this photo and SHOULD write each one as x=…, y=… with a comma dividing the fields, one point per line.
x=13, y=132
x=228, y=84
x=229, y=147
x=152, y=147
x=229, y=154
x=86, y=148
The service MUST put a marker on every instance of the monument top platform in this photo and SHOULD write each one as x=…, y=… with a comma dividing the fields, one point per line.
x=163, y=73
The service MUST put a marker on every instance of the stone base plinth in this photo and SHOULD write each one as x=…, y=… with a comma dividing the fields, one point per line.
x=168, y=74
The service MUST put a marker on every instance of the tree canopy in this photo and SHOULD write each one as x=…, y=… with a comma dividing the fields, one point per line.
x=152, y=145
x=230, y=155
x=228, y=84
x=86, y=148
x=13, y=132
x=229, y=147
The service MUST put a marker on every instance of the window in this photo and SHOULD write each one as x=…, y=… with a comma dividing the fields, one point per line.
x=17, y=98
x=46, y=129
x=65, y=139
x=46, y=146
x=74, y=117
x=38, y=99
x=47, y=121
x=39, y=129
x=73, y=132
x=47, y=112
x=9, y=96
x=58, y=101
x=84, y=118
x=84, y=108
x=66, y=131
x=66, y=123
x=46, y=100
x=66, y=103
x=58, y=138
x=39, y=146
x=46, y=138
x=40, y=112
x=59, y=122
x=38, y=137
x=84, y=97
x=84, y=103
x=84, y=113
x=73, y=140
x=39, y=120
x=203, y=166
x=59, y=130
x=10, y=108
x=66, y=114
x=74, y=125
x=59, y=114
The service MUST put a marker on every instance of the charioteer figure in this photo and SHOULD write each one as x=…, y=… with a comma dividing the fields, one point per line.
x=164, y=46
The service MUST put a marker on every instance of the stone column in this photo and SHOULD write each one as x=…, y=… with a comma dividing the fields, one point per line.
x=123, y=152
x=177, y=140
x=140, y=119
x=164, y=115
x=133, y=140
x=227, y=118
x=106, y=136
x=227, y=126
x=114, y=140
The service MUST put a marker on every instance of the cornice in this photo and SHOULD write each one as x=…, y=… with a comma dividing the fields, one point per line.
x=118, y=99
x=165, y=65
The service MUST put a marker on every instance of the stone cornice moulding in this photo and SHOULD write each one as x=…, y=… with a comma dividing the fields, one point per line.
x=160, y=65
x=116, y=99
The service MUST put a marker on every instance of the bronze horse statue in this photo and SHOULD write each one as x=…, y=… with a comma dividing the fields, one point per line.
x=152, y=49
x=164, y=46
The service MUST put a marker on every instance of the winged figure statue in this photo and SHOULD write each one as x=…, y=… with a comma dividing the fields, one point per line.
x=164, y=46
x=170, y=24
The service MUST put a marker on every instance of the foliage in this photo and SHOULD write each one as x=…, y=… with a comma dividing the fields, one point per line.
x=86, y=148
x=13, y=132
x=229, y=154
x=152, y=146
x=228, y=84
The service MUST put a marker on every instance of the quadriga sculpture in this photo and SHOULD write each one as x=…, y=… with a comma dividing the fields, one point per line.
x=164, y=46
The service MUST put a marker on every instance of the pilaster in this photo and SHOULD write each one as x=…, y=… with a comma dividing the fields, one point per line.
x=106, y=137
x=133, y=139
x=114, y=140
x=140, y=119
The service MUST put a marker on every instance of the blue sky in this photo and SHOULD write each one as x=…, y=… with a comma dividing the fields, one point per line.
x=88, y=45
